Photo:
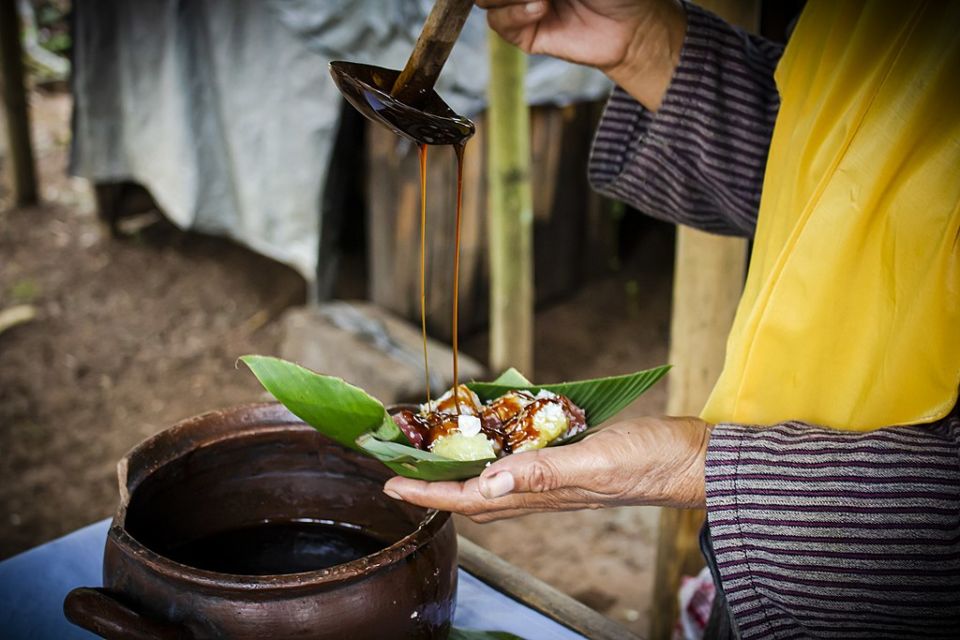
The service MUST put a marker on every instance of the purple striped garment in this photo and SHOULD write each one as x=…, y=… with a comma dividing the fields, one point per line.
x=699, y=159
x=817, y=533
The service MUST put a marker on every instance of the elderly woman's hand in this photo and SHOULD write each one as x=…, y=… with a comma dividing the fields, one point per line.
x=636, y=462
x=635, y=42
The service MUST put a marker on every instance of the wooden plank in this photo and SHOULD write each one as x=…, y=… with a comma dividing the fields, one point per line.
x=601, y=230
x=565, y=212
x=510, y=210
x=708, y=280
x=538, y=595
x=14, y=98
x=707, y=284
x=393, y=207
x=574, y=231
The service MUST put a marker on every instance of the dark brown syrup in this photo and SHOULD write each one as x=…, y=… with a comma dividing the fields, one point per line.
x=455, y=330
x=422, y=149
x=429, y=122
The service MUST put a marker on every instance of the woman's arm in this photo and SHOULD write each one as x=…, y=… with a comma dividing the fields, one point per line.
x=815, y=531
x=699, y=159
x=642, y=461
x=818, y=531
x=686, y=132
x=635, y=42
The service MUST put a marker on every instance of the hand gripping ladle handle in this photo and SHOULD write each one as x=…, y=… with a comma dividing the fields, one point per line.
x=437, y=38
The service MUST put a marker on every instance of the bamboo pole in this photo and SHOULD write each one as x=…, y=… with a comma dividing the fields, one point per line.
x=14, y=98
x=511, y=210
x=708, y=280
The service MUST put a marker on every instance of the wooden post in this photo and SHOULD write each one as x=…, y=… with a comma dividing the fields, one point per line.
x=14, y=97
x=511, y=211
x=708, y=280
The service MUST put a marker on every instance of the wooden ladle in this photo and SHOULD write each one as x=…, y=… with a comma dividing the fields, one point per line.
x=405, y=101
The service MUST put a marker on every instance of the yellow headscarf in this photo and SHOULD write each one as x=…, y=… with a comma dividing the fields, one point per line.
x=850, y=316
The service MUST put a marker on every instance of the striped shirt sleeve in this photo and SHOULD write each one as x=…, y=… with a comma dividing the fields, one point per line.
x=817, y=533
x=699, y=159
x=825, y=534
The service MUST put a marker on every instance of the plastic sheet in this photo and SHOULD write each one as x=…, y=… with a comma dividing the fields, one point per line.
x=224, y=109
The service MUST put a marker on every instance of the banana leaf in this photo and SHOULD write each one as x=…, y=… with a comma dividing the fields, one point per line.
x=335, y=408
x=407, y=460
x=600, y=398
x=350, y=416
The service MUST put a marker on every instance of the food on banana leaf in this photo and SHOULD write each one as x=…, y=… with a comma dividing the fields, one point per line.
x=426, y=446
x=461, y=427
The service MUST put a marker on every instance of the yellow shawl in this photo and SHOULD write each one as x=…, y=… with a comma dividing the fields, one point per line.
x=850, y=316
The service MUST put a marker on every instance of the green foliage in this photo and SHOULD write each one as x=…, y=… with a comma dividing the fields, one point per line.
x=348, y=415
x=410, y=462
x=24, y=291
x=601, y=398
x=335, y=408
x=53, y=25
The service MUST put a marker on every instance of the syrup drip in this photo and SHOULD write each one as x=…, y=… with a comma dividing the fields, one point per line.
x=458, y=148
x=423, y=261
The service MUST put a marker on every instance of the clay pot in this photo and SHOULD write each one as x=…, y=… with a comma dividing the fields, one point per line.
x=238, y=468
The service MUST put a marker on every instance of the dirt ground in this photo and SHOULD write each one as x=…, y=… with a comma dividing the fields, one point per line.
x=137, y=332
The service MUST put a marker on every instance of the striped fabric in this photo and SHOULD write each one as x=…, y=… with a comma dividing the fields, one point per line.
x=699, y=159
x=817, y=533
x=830, y=534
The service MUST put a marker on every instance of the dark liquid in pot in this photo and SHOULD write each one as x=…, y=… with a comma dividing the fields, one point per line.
x=274, y=548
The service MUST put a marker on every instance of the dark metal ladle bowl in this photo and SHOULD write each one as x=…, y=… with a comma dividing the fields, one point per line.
x=367, y=88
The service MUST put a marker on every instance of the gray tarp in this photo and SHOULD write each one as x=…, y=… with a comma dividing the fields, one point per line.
x=225, y=111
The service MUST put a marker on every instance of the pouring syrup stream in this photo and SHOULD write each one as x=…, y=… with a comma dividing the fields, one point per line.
x=422, y=148
x=455, y=316
x=458, y=149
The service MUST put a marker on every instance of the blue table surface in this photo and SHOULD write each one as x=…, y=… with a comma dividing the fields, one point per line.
x=34, y=584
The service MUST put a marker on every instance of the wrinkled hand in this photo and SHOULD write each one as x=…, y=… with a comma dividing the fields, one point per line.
x=635, y=42
x=647, y=461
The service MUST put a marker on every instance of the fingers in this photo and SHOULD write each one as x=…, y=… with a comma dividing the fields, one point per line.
x=539, y=471
x=516, y=15
x=554, y=479
x=464, y=498
x=511, y=20
x=445, y=496
x=499, y=4
x=459, y=497
x=526, y=504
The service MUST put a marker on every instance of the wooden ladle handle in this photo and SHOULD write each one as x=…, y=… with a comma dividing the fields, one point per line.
x=437, y=38
x=98, y=611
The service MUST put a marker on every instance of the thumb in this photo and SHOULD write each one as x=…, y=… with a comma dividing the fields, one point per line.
x=534, y=472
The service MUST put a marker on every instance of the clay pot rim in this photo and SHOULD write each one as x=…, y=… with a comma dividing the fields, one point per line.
x=266, y=417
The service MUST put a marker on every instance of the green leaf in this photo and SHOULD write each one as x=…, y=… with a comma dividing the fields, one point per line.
x=411, y=462
x=348, y=415
x=334, y=407
x=601, y=398
x=473, y=634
